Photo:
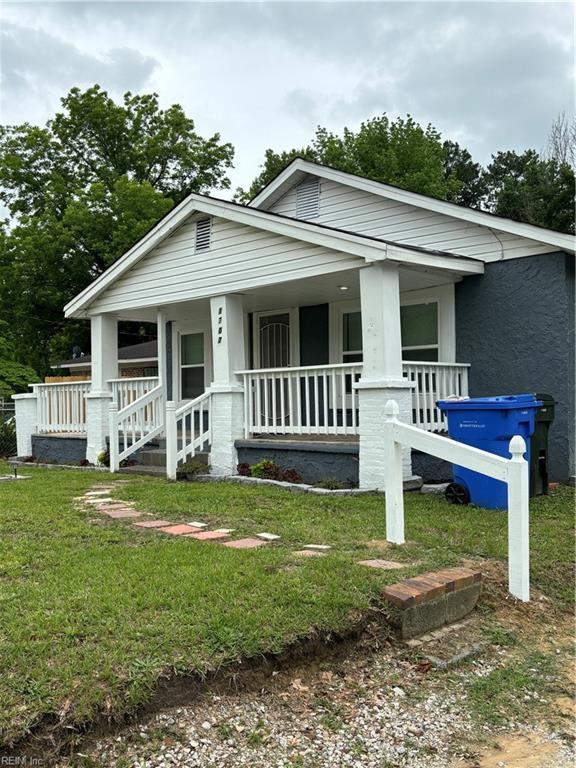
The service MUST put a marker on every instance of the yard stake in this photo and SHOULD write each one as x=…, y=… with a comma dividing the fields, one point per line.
x=171, y=439
x=518, y=521
x=393, y=481
x=113, y=423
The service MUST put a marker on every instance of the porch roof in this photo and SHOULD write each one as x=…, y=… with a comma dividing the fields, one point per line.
x=363, y=246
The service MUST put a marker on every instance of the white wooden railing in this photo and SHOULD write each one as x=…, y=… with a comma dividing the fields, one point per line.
x=135, y=425
x=321, y=399
x=513, y=472
x=126, y=391
x=188, y=431
x=318, y=399
x=61, y=407
x=432, y=382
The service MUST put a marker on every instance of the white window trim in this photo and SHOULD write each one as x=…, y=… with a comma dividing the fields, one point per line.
x=442, y=294
x=294, y=333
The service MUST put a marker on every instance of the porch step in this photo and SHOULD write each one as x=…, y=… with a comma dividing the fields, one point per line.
x=142, y=469
x=156, y=457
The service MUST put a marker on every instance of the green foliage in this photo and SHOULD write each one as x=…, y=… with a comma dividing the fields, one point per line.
x=398, y=152
x=14, y=377
x=527, y=188
x=331, y=484
x=265, y=469
x=7, y=438
x=81, y=191
x=192, y=468
x=458, y=163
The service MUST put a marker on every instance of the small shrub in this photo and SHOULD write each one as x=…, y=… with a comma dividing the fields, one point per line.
x=244, y=470
x=266, y=469
x=7, y=438
x=84, y=463
x=331, y=484
x=291, y=476
x=192, y=468
x=104, y=458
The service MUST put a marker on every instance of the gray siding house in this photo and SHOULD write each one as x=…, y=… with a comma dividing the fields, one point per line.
x=286, y=324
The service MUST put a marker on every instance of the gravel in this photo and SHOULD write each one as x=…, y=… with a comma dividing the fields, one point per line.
x=368, y=710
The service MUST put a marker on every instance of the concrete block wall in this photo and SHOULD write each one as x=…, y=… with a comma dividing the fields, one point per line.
x=227, y=427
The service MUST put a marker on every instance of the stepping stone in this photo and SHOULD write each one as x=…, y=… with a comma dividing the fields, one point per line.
x=207, y=535
x=178, y=530
x=318, y=547
x=225, y=530
x=385, y=565
x=308, y=553
x=101, y=500
x=244, y=543
x=267, y=536
x=154, y=524
x=120, y=513
x=196, y=524
x=100, y=492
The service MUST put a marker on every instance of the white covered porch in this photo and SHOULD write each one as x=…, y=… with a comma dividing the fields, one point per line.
x=315, y=357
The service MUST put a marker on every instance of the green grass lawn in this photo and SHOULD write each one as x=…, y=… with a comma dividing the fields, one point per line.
x=94, y=611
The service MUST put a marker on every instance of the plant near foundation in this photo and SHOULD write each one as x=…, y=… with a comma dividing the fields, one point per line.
x=331, y=484
x=191, y=468
x=104, y=458
x=266, y=469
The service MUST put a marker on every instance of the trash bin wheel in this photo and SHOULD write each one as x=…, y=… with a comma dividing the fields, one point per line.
x=457, y=494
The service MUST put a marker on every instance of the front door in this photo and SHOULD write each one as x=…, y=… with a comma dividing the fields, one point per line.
x=272, y=341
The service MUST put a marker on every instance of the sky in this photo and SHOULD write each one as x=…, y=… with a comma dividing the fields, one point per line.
x=491, y=76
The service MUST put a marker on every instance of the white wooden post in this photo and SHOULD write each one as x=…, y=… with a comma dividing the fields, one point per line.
x=161, y=341
x=518, y=521
x=104, y=353
x=171, y=440
x=113, y=436
x=394, y=490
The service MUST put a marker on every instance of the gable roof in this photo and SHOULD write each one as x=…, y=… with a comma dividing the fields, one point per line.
x=360, y=245
x=299, y=168
x=145, y=351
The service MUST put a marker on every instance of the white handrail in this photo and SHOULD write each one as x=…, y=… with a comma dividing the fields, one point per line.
x=513, y=471
x=128, y=390
x=135, y=425
x=188, y=431
x=61, y=406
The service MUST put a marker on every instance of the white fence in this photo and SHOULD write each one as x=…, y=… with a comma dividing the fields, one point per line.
x=188, y=431
x=431, y=382
x=321, y=399
x=512, y=471
x=62, y=407
x=135, y=425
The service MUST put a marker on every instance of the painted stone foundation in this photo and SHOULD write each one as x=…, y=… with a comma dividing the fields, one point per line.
x=47, y=449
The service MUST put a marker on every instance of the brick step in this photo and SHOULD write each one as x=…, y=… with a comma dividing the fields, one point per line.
x=431, y=600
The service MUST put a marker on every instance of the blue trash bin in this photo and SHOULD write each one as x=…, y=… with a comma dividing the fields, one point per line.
x=487, y=423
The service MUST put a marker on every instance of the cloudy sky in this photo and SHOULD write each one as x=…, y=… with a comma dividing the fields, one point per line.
x=490, y=75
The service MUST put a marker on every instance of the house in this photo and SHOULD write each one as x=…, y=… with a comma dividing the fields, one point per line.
x=134, y=361
x=286, y=324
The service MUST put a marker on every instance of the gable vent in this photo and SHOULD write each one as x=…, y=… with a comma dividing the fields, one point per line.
x=203, y=232
x=308, y=199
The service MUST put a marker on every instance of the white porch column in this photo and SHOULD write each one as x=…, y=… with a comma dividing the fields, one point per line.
x=26, y=414
x=228, y=355
x=382, y=378
x=104, y=355
x=161, y=341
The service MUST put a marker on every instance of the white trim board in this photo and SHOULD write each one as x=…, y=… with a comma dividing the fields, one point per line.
x=299, y=168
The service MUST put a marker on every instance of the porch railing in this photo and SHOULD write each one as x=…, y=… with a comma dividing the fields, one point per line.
x=126, y=391
x=321, y=400
x=188, y=431
x=135, y=425
x=431, y=382
x=62, y=407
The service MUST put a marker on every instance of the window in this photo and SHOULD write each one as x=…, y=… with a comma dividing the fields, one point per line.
x=308, y=199
x=152, y=371
x=191, y=365
x=351, y=338
x=203, y=232
x=419, y=327
x=419, y=324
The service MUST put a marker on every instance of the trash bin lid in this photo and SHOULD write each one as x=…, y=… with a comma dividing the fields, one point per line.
x=499, y=402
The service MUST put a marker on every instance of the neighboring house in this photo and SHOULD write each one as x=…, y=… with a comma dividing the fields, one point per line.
x=285, y=325
x=134, y=361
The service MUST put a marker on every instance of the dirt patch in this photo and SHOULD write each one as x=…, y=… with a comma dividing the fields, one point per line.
x=519, y=751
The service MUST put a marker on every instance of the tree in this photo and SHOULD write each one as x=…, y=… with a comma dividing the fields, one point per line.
x=527, y=188
x=458, y=163
x=562, y=141
x=398, y=152
x=14, y=377
x=81, y=191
